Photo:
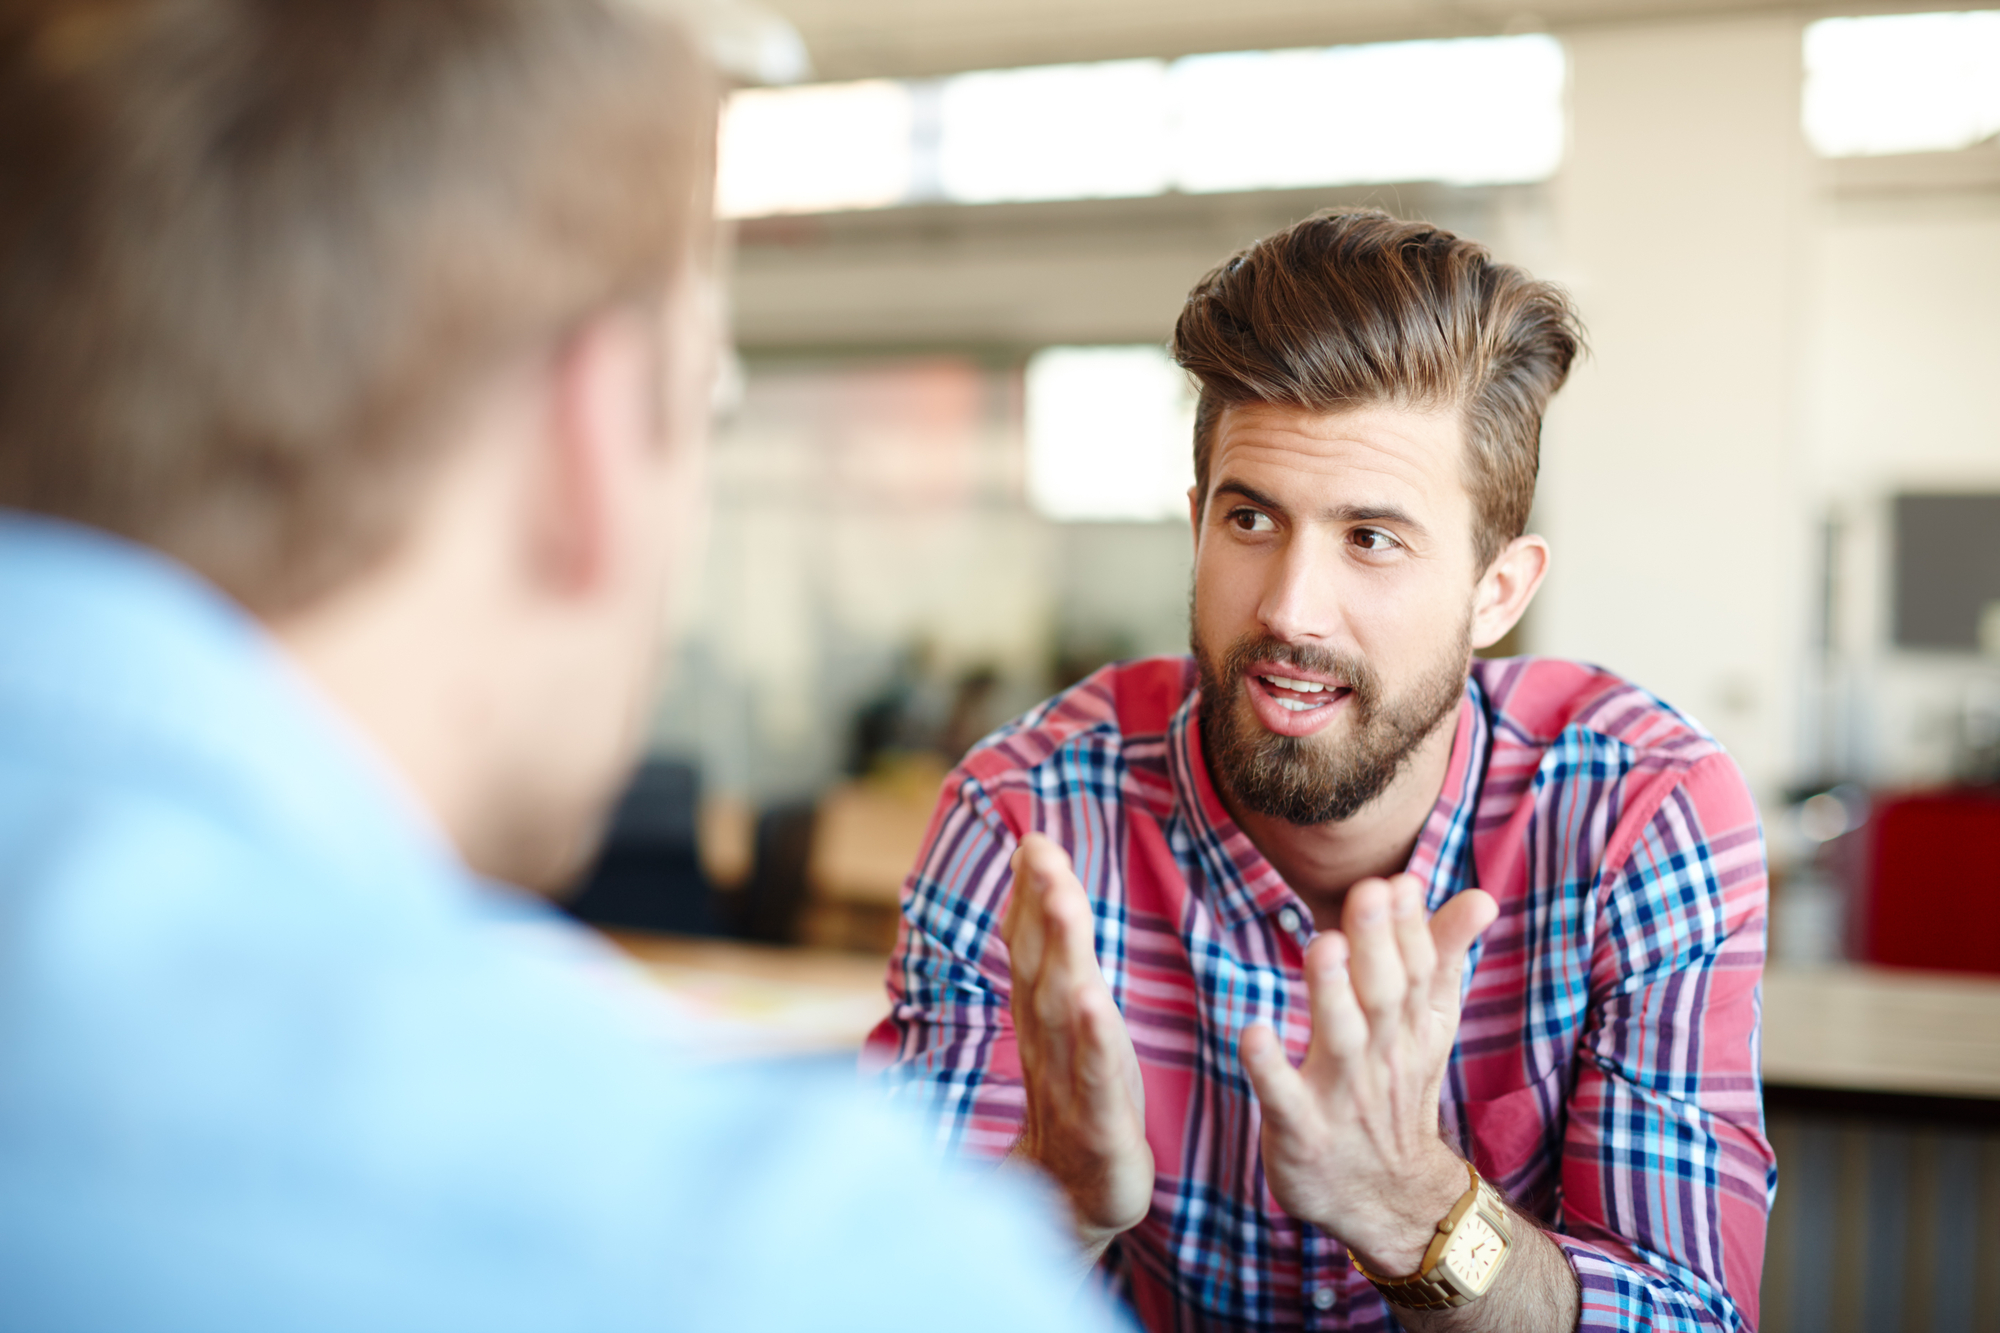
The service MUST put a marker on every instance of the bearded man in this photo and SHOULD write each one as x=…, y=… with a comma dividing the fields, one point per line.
x=1338, y=980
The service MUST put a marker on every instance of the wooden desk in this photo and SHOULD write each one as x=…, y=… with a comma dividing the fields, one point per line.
x=1870, y=1038
x=1846, y=1029
x=767, y=1000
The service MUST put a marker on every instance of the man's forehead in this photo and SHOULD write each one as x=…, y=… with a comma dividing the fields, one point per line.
x=1416, y=452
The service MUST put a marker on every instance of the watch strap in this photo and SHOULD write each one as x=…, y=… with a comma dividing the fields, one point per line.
x=1427, y=1288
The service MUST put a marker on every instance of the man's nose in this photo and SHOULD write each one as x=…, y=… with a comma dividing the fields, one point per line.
x=1301, y=594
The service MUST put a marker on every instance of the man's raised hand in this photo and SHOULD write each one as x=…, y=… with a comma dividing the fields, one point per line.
x=1086, y=1120
x=1350, y=1137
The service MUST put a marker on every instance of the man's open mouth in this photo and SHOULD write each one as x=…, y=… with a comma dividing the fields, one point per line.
x=1291, y=702
x=1302, y=696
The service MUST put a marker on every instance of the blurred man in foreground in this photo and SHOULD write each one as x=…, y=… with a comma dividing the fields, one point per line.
x=1384, y=981
x=354, y=356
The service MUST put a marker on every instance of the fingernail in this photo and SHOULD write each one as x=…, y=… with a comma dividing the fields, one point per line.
x=1407, y=901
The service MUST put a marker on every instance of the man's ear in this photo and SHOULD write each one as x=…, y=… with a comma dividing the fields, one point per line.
x=1507, y=587
x=1194, y=513
x=600, y=422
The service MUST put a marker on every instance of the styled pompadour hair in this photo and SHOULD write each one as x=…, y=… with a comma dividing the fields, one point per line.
x=1353, y=308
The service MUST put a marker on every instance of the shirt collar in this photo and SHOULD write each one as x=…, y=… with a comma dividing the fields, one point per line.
x=120, y=658
x=1243, y=884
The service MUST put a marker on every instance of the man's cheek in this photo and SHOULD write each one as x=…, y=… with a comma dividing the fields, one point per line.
x=1226, y=600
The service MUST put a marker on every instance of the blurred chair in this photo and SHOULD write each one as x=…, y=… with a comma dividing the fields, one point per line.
x=649, y=874
x=768, y=906
x=865, y=840
x=1932, y=889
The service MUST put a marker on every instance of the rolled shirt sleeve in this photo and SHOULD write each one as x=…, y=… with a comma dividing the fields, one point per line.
x=1667, y=1177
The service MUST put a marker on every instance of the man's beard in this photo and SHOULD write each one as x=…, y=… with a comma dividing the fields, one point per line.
x=1303, y=779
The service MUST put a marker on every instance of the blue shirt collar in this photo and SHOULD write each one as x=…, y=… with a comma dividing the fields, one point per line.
x=123, y=667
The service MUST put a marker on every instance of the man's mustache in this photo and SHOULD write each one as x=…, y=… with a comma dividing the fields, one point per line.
x=1310, y=658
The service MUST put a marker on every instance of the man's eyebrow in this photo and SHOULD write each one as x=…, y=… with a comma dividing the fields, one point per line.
x=1378, y=514
x=1375, y=513
x=1250, y=493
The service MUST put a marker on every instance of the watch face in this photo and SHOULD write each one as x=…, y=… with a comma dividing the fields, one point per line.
x=1474, y=1251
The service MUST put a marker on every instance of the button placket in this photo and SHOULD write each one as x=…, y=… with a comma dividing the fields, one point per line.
x=1321, y=1291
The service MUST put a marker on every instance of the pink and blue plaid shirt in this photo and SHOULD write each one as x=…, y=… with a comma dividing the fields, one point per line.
x=1606, y=1071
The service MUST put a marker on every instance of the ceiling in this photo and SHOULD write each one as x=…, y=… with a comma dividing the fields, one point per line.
x=851, y=39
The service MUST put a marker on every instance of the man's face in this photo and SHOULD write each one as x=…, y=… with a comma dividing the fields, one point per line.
x=1333, y=593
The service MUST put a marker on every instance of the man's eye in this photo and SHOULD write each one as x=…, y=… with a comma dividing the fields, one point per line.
x=1252, y=520
x=1372, y=539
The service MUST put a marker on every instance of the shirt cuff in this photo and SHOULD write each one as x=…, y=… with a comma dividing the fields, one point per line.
x=1618, y=1293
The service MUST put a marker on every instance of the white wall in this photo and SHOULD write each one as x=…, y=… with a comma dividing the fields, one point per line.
x=1903, y=394
x=1670, y=473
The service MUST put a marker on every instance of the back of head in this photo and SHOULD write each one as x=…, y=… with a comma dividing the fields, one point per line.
x=1354, y=308
x=250, y=249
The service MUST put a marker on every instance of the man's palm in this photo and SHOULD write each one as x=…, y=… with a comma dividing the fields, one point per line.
x=1086, y=1120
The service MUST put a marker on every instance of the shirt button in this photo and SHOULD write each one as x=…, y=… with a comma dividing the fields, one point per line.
x=1323, y=1298
x=1289, y=919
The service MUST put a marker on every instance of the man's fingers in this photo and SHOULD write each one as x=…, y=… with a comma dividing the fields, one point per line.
x=1453, y=928
x=1376, y=964
x=1106, y=1066
x=1280, y=1089
x=1040, y=854
x=1024, y=929
x=1048, y=910
x=1051, y=940
x=1413, y=936
x=1339, y=1026
x=1058, y=896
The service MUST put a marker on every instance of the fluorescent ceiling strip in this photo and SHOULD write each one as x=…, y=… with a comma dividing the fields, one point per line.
x=1467, y=111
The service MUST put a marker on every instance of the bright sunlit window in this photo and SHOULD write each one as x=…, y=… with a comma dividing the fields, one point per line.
x=1057, y=132
x=1110, y=434
x=816, y=149
x=1470, y=111
x=1902, y=83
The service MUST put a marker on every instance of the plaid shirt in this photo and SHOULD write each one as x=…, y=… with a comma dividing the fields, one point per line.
x=1605, y=1075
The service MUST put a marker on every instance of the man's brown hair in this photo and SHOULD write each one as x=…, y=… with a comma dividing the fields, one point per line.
x=1352, y=308
x=251, y=250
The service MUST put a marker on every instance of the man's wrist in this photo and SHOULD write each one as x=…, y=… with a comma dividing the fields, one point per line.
x=1392, y=1242
x=1093, y=1236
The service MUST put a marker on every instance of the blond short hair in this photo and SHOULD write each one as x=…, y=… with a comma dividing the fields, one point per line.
x=250, y=249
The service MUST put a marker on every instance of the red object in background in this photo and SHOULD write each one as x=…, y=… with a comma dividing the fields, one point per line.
x=1933, y=885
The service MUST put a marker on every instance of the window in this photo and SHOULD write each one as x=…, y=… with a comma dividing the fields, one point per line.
x=816, y=149
x=1057, y=132
x=1473, y=112
x=1110, y=434
x=1470, y=111
x=1902, y=83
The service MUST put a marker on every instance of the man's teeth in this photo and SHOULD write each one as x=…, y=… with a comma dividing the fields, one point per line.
x=1298, y=687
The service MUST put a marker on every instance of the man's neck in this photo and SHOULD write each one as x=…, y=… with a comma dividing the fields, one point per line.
x=1322, y=861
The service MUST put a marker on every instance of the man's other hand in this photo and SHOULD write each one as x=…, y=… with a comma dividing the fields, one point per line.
x=1086, y=1120
x=1351, y=1137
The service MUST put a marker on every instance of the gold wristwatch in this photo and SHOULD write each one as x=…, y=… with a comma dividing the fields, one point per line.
x=1460, y=1263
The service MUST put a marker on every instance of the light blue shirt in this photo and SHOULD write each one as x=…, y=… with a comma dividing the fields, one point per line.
x=271, y=1059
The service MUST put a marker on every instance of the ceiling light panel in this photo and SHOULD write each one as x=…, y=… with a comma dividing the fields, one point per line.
x=1902, y=83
